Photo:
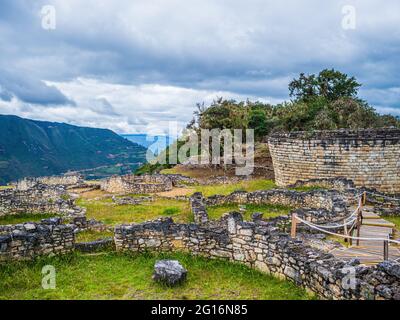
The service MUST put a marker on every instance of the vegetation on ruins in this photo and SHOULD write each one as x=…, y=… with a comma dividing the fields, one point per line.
x=268, y=210
x=112, y=214
x=128, y=276
x=105, y=210
x=24, y=217
x=326, y=101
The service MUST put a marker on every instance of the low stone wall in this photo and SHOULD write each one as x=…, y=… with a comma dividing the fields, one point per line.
x=332, y=201
x=40, y=199
x=66, y=180
x=340, y=184
x=94, y=246
x=179, y=180
x=262, y=247
x=29, y=240
x=198, y=208
x=131, y=200
x=137, y=184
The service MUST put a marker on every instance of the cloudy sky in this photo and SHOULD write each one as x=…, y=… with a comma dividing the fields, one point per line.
x=135, y=65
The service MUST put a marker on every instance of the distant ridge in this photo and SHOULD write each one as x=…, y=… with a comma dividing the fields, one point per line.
x=38, y=148
x=156, y=143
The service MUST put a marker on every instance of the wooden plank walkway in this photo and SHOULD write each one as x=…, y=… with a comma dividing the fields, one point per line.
x=370, y=251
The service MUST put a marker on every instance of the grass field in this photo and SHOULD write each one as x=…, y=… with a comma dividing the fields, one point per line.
x=269, y=211
x=225, y=189
x=20, y=218
x=91, y=235
x=127, y=276
x=395, y=220
x=106, y=211
x=100, y=206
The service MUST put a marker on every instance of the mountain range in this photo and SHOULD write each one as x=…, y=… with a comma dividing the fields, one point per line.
x=156, y=143
x=30, y=148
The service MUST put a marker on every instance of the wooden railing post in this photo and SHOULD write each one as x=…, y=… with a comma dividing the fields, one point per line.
x=364, y=197
x=346, y=233
x=358, y=225
x=294, y=226
x=385, y=250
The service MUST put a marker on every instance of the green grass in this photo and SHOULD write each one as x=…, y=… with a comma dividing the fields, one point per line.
x=104, y=210
x=395, y=220
x=128, y=276
x=269, y=211
x=25, y=217
x=225, y=189
x=5, y=187
x=91, y=235
x=170, y=211
x=172, y=170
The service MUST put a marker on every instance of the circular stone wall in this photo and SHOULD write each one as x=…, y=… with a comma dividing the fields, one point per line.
x=370, y=158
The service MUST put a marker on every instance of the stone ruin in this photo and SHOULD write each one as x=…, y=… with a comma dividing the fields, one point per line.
x=259, y=244
x=67, y=180
x=137, y=184
x=370, y=158
x=262, y=245
x=131, y=200
x=38, y=199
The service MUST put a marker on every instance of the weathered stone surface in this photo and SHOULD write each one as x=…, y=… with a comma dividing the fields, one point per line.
x=170, y=272
x=68, y=180
x=267, y=250
x=93, y=246
x=38, y=199
x=370, y=158
x=391, y=268
x=28, y=240
x=137, y=184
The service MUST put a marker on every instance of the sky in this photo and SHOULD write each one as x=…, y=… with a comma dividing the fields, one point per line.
x=136, y=66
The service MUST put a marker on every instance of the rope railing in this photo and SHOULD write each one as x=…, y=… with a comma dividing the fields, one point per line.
x=382, y=196
x=316, y=227
x=355, y=222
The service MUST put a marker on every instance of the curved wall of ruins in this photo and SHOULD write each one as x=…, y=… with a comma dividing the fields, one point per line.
x=371, y=158
x=137, y=184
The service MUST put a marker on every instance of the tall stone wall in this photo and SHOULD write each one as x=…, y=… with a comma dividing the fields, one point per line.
x=262, y=246
x=371, y=158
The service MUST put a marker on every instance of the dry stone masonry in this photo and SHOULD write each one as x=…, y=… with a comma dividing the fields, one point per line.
x=65, y=180
x=370, y=158
x=261, y=245
x=29, y=240
x=331, y=201
x=137, y=184
x=38, y=199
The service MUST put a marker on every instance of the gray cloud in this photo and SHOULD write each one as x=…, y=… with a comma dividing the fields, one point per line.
x=30, y=90
x=241, y=49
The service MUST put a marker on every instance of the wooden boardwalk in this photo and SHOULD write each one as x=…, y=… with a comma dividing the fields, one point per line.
x=371, y=251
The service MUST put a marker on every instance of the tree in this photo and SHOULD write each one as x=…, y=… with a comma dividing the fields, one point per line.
x=330, y=84
x=258, y=122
